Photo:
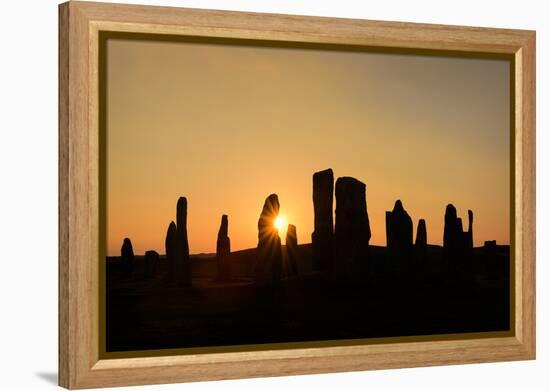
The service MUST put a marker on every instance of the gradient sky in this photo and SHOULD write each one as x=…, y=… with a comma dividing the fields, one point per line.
x=226, y=126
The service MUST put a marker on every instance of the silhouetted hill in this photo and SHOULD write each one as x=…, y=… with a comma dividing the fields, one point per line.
x=389, y=299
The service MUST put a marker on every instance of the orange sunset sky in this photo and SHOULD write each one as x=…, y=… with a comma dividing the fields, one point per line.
x=226, y=126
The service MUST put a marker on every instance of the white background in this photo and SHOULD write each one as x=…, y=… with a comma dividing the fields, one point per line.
x=28, y=194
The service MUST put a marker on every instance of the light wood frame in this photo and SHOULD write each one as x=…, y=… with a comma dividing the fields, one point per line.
x=80, y=365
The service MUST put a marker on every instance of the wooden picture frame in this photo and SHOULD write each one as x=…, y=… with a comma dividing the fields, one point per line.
x=80, y=364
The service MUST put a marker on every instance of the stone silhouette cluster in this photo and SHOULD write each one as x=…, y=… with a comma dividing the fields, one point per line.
x=177, y=250
x=348, y=239
x=340, y=239
x=344, y=249
x=344, y=238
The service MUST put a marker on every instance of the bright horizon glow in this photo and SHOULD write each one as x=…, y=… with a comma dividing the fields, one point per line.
x=227, y=125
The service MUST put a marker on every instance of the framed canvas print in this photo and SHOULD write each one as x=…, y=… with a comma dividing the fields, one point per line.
x=251, y=195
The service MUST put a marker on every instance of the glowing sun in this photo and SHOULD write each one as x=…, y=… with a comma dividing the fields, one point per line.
x=280, y=223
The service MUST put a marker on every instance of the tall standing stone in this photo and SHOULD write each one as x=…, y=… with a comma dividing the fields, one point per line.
x=269, y=252
x=223, y=249
x=170, y=245
x=421, y=234
x=183, y=264
x=451, y=237
x=470, y=230
x=322, y=236
x=352, y=229
x=399, y=229
x=292, y=250
x=456, y=246
x=127, y=250
x=421, y=243
x=127, y=255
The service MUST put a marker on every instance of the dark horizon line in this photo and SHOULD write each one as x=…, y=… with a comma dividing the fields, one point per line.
x=213, y=254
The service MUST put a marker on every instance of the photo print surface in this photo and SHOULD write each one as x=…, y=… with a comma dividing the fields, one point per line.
x=265, y=194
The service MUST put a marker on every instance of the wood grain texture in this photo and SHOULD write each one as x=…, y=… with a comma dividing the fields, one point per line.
x=525, y=94
x=63, y=178
x=79, y=26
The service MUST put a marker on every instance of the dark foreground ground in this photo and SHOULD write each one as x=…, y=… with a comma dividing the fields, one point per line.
x=394, y=298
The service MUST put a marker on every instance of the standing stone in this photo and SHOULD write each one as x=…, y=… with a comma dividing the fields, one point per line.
x=322, y=236
x=127, y=255
x=151, y=262
x=352, y=228
x=399, y=231
x=421, y=235
x=183, y=264
x=170, y=245
x=269, y=252
x=421, y=246
x=470, y=230
x=292, y=250
x=127, y=250
x=223, y=249
x=451, y=238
